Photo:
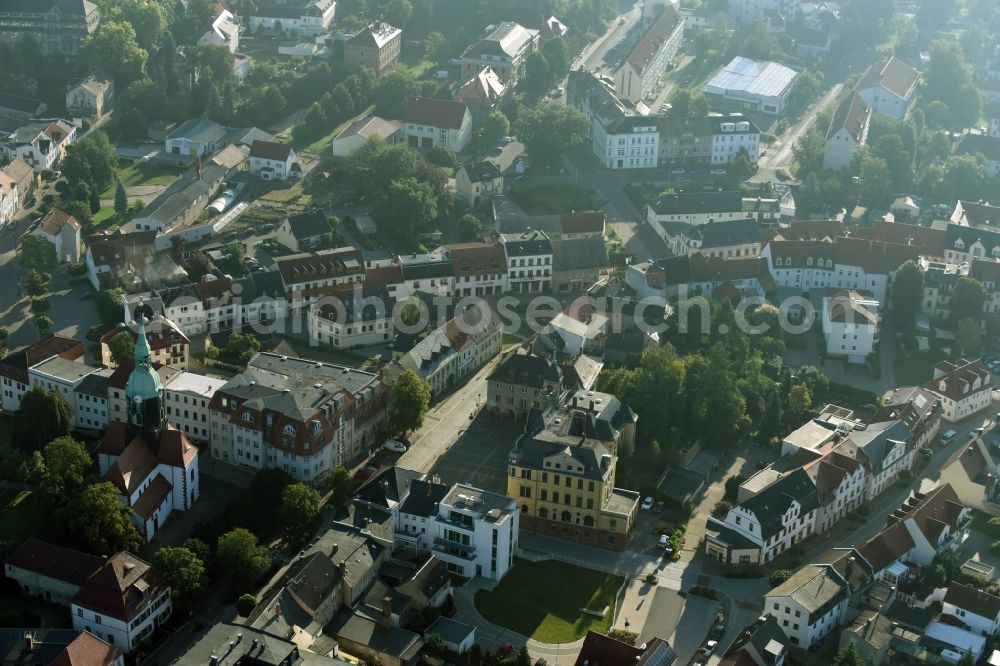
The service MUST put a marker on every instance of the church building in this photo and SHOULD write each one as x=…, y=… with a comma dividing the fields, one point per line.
x=151, y=462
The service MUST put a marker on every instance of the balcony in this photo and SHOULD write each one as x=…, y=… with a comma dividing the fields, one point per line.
x=450, y=548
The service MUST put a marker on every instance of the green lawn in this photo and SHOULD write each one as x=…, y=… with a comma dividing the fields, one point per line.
x=554, y=198
x=916, y=368
x=20, y=515
x=543, y=600
x=322, y=145
x=105, y=220
x=144, y=173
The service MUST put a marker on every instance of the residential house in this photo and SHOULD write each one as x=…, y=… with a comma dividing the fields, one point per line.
x=358, y=133
x=552, y=28
x=453, y=352
x=889, y=88
x=311, y=18
x=274, y=161
x=124, y=601
x=523, y=381
x=694, y=208
x=458, y=637
x=726, y=239
x=90, y=95
x=305, y=231
x=939, y=279
x=200, y=137
x=90, y=401
x=987, y=272
x=428, y=273
x=975, y=214
x=480, y=269
x=483, y=94
x=24, y=177
x=976, y=610
x=224, y=31
x=376, y=47
x=50, y=572
x=62, y=231
x=577, y=263
x=298, y=415
x=642, y=67
x=10, y=202
x=563, y=476
x=566, y=226
x=976, y=143
x=308, y=276
x=15, y=366
x=810, y=604
x=57, y=26
x=20, y=109
x=242, y=642
x=478, y=182
x=473, y=531
x=878, y=637
x=765, y=525
x=168, y=345
x=601, y=649
x=504, y=48
x=973, y=472
x=529, y=261
x=359, y=319
x=848, y=130
x=756, y=11
x=715, y=140
x=150, y=462
x=751, y=85
x=965, y=388
x=578, y=331
x=690, y=276
x=916, y=407
x=430, y=123
x=762, y=643
x=851, y=324
x=188, y=197
x=40, y=144
x=57, y=647
x=187, y=396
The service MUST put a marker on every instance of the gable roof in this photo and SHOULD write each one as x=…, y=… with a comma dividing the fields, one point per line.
x=66, y=564
x=269, y=150
x=478, y=172
x=122, y=588
x=375, y=35
x=812, y=587
x=894, y=75
x=368, y=127
x=688, y=203
x=645, y=51
x=972, y=600
x=22, y=104
x=852, y=115
x=442, y=113
x=887, y=546
x=308, y=224
x=485, y=88
x=570, y=254
x=507, y=40
x=770, y=504
x=725, y=233
x=955, y=380
x=86, y=650
x=55, y=220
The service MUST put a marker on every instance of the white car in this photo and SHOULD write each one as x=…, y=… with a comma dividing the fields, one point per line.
x=394, y=445
x=647, y=504
x=709, y=647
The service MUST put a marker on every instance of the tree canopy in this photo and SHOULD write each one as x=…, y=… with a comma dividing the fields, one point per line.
x=300, y=506
x=550, y=129
x=408, y=401
x=101, y=524
x=42, y=417
x=239, y=552
x=184, y=570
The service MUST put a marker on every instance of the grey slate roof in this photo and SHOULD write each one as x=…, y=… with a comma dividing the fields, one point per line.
x=18, y=103
x=579, y=253
x=529, y=243
x=770, y=504
x=526, y=369
x=479, y=172
x=308, y=224
x=424, y=498
x=725, y=232
x=687, y=203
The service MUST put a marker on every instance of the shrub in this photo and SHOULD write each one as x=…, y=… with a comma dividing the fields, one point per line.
x=623, y=635
x=651, y=578
x=245, y=604
x=779, y=577
x=706, y=592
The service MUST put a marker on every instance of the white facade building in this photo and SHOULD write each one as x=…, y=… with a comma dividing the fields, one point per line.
x=965, y=388
x=810, y=604
x=851, y=323
x=312, y=20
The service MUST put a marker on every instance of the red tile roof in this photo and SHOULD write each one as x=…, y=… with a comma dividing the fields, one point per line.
x=87, y=650
x=478, y=259
x=955, y=381
x=122, y=588
x=441, y=113
x=55, y=561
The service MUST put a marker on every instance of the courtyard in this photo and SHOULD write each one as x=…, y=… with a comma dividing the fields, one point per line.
x=545, y=601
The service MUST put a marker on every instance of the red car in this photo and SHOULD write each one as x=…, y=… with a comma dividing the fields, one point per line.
x=505, y=650
x=363, y=475
x=376, y=464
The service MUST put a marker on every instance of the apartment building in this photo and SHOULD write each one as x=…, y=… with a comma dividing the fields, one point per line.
x=504, y=48
x=851, y=324
x=694, y=208
x=480, y=269
x=376, y=47
x=965, y=388
x=309, y=276
x=57, y=26
x=639, y=74
x=14, y=367
x=529, y=261
x=727, y=239
x=452, y=352
x=889, y=88
x=355, y=320
x=848, y=130
x=523, y=381
x=810, y=604
x=302, y=416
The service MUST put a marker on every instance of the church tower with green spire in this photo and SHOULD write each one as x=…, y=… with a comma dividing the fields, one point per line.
x=144, y=390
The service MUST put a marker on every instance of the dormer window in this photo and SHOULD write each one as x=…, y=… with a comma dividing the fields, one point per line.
x=959, y=244
x=809, y=261
x=248, y=417
x=289, y=430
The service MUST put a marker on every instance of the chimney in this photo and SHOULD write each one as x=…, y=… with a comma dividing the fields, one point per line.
x=386, y=612
x=29, y=641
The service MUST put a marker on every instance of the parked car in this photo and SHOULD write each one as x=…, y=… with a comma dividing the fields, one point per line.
x=394, y=445
x=948, y=436
x=504, y=140
x=664, y=541
x=976, y=432
x=363, y=475
x=658, y=507
x=678, y=172
x=709, y=647
x=505, y=650
x=647, y=504
x=718, y=172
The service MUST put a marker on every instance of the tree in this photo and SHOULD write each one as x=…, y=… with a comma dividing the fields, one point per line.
x=121, y=346
x=37, y=252
x=435, y=645
x=82, y=192
x=398, y=12
x=36, y=284
x=198, y=547
x=92, y=160
x=300, y=506
x=949, y=80
x=409, y=399
x=63, y=469
x=686, y=103
x=101, y=524
x=109, y=306
x=538, y=76
x=848, y=656
x=742, y=167
x=934, y=14
x=779, y=577
x=121, y=198
x=80, y=212
x=522, y=658
x=550, y=129
x=907, y=295
x=44, y=324
x=390, y=93
x=340, y=484
x=183, y=570
x=113, y=48
x=239, y=552
x=967, y=298
x=241, y=347
x=556, y=52
x=808, y=196
x=245, y=604
x=808, y=152
x=876, y=182
x=968, y=337
x=494, y=126
x=469, y=228
x=409, y=206
x=733, y=487
x=42, y=417
x=798, y=405
x=95, y=201
x=899, y=160
x=216, y=62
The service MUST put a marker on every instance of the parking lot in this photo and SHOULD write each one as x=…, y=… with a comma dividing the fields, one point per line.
x=479, y=455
